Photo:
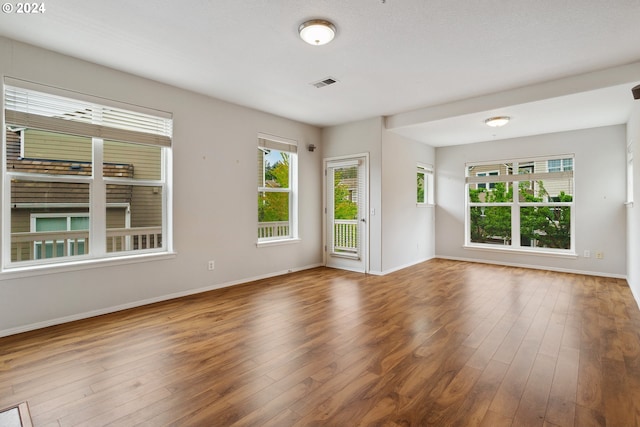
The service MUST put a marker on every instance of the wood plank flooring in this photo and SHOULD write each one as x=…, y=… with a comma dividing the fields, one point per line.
x=442, y=343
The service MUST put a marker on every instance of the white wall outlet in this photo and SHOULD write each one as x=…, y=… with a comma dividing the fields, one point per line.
x=599, y=255
x=587, y=253
x=211, y=265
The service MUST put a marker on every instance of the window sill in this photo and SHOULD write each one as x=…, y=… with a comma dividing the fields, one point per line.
x=39, y=270
x=522, y=251
x=425, y=205
x=266, y=243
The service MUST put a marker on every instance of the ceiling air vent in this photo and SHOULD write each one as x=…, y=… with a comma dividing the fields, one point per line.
x=325, y=82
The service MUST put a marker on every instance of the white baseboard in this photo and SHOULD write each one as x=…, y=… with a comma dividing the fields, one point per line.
x=536, y=267
x=391, y=270
x=107, y=310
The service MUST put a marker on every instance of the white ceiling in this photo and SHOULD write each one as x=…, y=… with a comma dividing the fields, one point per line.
x=404, y=59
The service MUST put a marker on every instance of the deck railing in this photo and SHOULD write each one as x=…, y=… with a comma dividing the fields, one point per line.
x=47, y=244
x=273, y=229
x=345, y=235
x=56, y=244
x=133, y=239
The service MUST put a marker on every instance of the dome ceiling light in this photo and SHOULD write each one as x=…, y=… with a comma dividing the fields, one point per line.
x=317, y=31
x=496, y=122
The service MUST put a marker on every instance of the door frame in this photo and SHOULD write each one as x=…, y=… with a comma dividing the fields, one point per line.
x=363, y=216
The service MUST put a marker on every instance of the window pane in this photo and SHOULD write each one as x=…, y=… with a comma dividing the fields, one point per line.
x=49, y=204
x=273, y=215
x=79, y=223
x=51, y=224
x=491, y=224
x=345, y=193
x=554, y=165
x=48, y=153
x=127, y=160
x=420, y=187
x=546, y=227
x=274, y=198
x=134, y=217
x=546, y=190
x=499, y=192
x=275, y=168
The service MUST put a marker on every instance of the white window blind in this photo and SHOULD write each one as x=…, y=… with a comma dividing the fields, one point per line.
x=519, y=177
x=277, y=145
x=38, y=110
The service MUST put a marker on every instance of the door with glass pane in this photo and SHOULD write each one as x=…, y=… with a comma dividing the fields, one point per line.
x=346, y=208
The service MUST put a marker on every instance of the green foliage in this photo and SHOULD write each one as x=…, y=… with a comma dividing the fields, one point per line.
x=420, y=186
x=274, y=206
x=548, y=226
x=344, y=206
x=491, y=224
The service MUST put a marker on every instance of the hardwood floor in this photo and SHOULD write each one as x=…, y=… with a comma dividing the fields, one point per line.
x=442, y=343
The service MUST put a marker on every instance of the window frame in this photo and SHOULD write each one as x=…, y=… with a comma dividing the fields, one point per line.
x=96, y=181
x=487, y=185
x=516, y=204
x=290, y=146
x=562, y=168
x=428, y=195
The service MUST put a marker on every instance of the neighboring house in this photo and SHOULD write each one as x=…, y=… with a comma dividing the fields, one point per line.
x=554, y=187
x=51, y=219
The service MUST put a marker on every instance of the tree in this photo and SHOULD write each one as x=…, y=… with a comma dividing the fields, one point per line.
x=549, y=226
x=274, y=206
x=489, y=223
x=343, y=204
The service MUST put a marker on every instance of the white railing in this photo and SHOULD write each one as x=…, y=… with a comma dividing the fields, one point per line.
x=30, y=246
x=128, y=239
x=273, y=229
x=345, y=235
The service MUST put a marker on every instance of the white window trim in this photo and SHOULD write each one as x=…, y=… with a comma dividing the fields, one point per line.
x=515, y=213
x=427, y=170
x=293, y=236
x=97, y=184
x=487, y=185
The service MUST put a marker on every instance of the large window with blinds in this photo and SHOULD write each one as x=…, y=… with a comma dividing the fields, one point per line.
x=83, y=178
x=277, y=189
x=525, y=204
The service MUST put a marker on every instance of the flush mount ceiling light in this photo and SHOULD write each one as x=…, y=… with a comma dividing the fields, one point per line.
x=496, y=122
x=317, y=31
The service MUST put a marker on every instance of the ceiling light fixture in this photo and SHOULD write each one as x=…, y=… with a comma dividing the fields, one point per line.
x=496, y=122
x=317, y=31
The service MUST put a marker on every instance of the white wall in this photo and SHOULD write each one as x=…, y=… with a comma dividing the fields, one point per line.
x=358, y=138
x=599, y=197
x=215, y=215
x=633, y=212
x=400, y=234
x=408, y=231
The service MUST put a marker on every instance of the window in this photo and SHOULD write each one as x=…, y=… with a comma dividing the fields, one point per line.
x=63, y=243
x=86, y=180
x=489, y=185
x=559, y=165
x=532, y=209
x=277, y=189
x=424, y=185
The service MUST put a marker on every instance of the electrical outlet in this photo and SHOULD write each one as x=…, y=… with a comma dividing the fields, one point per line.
x=599, y=255
x=587, y=253
x=211, y=265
